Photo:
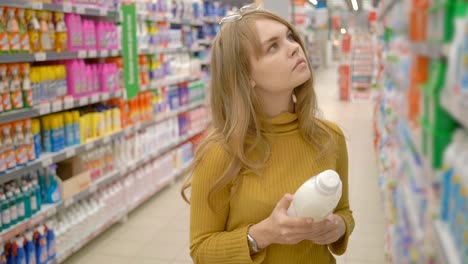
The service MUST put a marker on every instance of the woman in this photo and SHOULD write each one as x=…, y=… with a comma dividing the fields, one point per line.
x=266, y=141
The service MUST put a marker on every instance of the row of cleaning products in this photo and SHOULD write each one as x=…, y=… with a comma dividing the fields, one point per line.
x=37, y=246
x=22, y=86
x=20, y=200
x=44, y=31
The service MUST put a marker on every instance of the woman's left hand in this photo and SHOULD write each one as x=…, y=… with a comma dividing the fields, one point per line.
x=328, y=231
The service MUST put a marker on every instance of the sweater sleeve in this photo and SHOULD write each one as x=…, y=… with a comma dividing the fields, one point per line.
x=209, y=241
x=343, y=210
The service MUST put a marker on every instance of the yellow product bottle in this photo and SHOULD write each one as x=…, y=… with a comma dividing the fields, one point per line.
x=68, y=129
x=51, y=26
x=33, y=30
x=55, y=133
x=108, y=118
x=36, y=132
x=76, y=127
x=61, y=36
x=35, y=85
x=83, y=129
x=45, y=38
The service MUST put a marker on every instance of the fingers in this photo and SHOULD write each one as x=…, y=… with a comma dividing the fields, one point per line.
x=284, y=203
x=327, y=238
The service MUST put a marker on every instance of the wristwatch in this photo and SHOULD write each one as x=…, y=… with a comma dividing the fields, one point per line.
x=252, y=245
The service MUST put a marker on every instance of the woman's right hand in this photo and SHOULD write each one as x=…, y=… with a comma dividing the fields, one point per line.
x=279, y=228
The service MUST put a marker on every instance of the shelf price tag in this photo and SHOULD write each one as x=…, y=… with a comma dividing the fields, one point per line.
x=92, y=53
x=89, y=146
x=106, y=140
x=105, y=96
x=103, y=12
x=95, y=98
x=57, y=106
x=115, y=52
x=47, y=162
x=82, y=54
x=40, y=56
x=37, y=5
x=44, y=109
x=52, y=211
x=104, y=53
x=83, y=101
x=70, y=153
x=67, y=7
x=80, y=9
x=93, y=188
x=68, y=102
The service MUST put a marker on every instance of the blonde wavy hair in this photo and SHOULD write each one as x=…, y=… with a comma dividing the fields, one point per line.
x=235, y=108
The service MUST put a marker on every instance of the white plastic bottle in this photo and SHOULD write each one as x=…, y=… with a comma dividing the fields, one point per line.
x=317, y=197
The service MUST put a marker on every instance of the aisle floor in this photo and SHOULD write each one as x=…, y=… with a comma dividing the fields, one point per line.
x=157, y=232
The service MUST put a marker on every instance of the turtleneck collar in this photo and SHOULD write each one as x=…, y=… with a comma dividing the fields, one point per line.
x=282, y=123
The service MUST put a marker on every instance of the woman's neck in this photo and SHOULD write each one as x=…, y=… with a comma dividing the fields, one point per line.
x=275, y=104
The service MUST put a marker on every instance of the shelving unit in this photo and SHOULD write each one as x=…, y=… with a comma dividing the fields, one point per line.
x=426, y=58
x=56, y=106
x=68, y=102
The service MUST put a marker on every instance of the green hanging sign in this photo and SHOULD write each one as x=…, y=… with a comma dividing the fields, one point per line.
x=130, y=52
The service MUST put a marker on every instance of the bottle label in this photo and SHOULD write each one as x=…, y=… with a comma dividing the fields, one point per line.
x=4, y=46
x=43, y=256
x=6, y=100
x=13, y=213
x=14, y=41
x=3, y=166
x=24, y=42
x=10, y=158
x=20, y=209
x=31, y=152
x=17, y=99
x=52, y=248
x=21, y=156
x=33, y=203
x=6, y=217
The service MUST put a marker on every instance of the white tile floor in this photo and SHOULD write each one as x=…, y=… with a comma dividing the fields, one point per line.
x=157, y=232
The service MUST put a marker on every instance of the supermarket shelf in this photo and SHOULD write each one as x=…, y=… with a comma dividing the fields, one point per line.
x=175, y=21
x=92, y=236
x=47, y=211
x=456, y=106
x=168, y=82
x=50, y=158
x=433, y=51
x=156, y=189
x=56, y=106
x=206, y=62
x=50, y=210
x=55, y=56
x=446, y=244
x=65, y=8
x=155, y=50
x=416, y=228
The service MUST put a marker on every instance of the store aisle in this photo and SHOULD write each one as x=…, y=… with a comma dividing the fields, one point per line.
x=157, y=232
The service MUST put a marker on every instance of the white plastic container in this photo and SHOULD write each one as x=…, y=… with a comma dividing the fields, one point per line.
x=317, y=197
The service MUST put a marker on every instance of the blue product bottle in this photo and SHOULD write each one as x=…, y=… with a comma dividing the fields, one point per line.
x=20, y=254
x=51, y=246
x=53, y=194
x=40, y=242
x=30, y=249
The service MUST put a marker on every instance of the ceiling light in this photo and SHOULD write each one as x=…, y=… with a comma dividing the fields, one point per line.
x=343, y=31
x=314, y=2
x=355, y=5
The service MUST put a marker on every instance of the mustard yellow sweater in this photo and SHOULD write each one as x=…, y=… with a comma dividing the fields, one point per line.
x=221, y=237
